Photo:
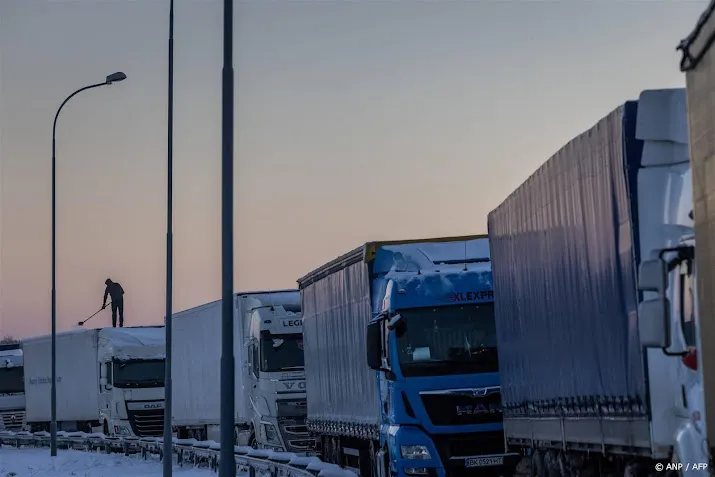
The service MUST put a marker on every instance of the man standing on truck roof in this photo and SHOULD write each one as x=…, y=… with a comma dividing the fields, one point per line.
x=115, y=291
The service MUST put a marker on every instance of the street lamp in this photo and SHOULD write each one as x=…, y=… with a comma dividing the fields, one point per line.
x=227, y=462
x=113, y=78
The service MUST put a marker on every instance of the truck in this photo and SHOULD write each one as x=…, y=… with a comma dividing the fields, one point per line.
x=12, y=388
x=402, y=372
x=270, y=402
x=109, y=380
x=680, y=324
x=587, y=253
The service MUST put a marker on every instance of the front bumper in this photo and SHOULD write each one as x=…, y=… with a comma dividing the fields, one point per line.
x=455, y=455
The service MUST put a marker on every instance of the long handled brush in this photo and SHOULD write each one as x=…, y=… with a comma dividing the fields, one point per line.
x=81, y=323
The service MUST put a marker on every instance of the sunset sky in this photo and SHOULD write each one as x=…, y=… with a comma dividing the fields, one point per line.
x=355, y=121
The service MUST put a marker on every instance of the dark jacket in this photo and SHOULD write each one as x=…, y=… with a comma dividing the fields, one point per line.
x=114, y=290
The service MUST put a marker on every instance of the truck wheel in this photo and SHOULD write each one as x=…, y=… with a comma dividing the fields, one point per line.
x=252, y=441
x=538, y=469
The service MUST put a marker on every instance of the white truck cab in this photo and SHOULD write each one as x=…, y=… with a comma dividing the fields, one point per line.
x=276, y=379
x=132, y=383
x=12, y=388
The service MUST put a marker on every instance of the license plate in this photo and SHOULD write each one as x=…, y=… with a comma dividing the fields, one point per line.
x=484, y=461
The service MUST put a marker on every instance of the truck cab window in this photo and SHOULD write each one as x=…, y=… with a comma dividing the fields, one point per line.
x=254, y=360
x=281, y=352
x=137, y=373
x=448, y=340
x=11, y=380
x=385, y=345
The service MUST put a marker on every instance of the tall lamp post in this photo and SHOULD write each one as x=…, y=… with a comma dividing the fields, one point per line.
x=227, y=466
x=113, y=78
x=168, y=459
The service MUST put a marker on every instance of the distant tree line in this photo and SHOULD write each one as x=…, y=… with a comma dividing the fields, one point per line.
x=8, y=340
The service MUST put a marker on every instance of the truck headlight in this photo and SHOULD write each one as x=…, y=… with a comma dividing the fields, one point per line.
x=415, y=452
x=271, y=434
x=123, y=430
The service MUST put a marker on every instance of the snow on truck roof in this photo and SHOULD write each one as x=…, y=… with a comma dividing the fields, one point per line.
x=289, y=298
x=11, y=358
x=277, y=320
x=131, y=343
x=145, y=342
x=10, y=352
x=438, y=255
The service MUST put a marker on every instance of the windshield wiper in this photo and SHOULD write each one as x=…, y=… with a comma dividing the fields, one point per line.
x=288, y=368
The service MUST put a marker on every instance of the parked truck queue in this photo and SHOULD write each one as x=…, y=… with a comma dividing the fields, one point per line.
x=570, y=339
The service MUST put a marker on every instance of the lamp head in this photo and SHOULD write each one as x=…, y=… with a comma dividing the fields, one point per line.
x=116, y=77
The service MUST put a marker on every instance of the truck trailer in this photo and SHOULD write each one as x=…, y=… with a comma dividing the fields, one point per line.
x=270, y=402
x=109, y=380
x=589, y=382
x=12, y=388
x=401, y=363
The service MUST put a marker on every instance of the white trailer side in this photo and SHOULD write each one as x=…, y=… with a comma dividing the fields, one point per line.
x=77, y=377
x=196, y=366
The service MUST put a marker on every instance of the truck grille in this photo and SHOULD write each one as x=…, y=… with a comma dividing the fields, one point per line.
x=295, y=434
x=12, y=420
x=463, y=407
x=147, y=422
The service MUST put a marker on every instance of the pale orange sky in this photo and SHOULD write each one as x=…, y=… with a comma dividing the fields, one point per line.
x=355, y=121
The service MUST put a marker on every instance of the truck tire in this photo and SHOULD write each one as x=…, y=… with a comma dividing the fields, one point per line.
x=252, y=441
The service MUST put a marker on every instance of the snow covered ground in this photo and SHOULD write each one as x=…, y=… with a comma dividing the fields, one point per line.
x=31, y=462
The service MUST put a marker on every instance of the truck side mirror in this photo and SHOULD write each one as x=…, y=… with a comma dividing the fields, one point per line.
x=103, y=381
x=653, y=275
x=654, y=322
x=374, y=345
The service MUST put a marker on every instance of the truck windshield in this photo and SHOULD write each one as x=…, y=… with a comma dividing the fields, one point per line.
x=447, y=340
x=11, y=380
x=281, y=352
x=139, y=373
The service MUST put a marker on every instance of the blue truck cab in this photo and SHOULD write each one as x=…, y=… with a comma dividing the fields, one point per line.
x=429, y=347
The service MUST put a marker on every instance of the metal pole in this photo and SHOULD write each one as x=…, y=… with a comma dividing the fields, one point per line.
x=168, y=452
x=53, y=388
x=228, y=464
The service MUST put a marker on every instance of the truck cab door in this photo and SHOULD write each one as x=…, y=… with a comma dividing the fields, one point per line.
x=253, y=362
x=105, y=386
x=384, y=382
